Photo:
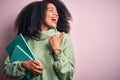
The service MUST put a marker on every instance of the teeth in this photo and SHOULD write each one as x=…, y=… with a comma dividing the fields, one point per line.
x=54, y=18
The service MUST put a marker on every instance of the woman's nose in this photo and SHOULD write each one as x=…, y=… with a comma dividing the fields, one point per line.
x=56, y=13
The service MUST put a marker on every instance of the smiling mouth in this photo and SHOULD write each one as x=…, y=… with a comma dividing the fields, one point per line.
x=54, y=19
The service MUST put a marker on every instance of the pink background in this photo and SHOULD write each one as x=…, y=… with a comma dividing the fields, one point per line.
x=95, y=35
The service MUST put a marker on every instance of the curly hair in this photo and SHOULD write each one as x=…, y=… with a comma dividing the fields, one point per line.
x=31, y=17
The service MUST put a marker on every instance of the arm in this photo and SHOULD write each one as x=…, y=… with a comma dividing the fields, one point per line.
x=64, y=63
x=17, y=70
x=13, y=70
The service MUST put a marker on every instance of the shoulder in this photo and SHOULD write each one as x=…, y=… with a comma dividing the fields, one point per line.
x=66, y=40
x=66, y=37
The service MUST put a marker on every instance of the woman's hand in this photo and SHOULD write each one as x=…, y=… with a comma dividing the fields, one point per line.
x=33, y=66
x=55, y=41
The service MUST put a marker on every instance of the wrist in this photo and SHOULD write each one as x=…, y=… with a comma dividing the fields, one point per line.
x=21, y=68
x=57, y=51
x=23, y=65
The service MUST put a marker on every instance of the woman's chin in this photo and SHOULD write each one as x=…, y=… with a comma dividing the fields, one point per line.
x=53, y=27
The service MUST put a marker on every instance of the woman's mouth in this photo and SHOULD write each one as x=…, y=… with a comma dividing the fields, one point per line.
x=54, y=19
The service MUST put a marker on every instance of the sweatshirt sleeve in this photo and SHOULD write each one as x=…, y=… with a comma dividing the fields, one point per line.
x=64, y=63
x=13, y=70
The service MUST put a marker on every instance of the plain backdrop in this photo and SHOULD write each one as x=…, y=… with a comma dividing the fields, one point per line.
x=95, y=35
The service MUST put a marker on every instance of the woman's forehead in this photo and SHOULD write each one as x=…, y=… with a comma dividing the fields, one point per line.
x=51, y=6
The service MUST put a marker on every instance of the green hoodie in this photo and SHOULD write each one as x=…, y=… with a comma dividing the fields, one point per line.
x=56, y=67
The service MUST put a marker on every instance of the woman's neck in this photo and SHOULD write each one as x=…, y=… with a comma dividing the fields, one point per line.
x=44, y=28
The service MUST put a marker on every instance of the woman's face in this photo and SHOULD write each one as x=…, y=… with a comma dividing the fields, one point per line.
x=51, y=16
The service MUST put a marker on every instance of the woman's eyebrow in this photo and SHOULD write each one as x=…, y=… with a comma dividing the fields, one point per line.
x=50, y=8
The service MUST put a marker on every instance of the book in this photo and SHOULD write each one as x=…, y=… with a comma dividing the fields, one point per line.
x=19, y=40
x=19, y=55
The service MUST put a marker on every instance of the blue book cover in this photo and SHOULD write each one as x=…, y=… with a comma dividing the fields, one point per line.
x=19, y=55
x=19, y=40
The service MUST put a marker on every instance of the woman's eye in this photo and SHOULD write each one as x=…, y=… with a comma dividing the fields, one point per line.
x=50, y=10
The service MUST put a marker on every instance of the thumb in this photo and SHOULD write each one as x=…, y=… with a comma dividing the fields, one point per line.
x=61, y=35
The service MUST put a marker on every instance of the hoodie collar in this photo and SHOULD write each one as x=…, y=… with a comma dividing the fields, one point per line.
x=47, y=34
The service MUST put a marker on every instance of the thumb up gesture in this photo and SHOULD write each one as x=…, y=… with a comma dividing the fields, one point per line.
x=55, y=41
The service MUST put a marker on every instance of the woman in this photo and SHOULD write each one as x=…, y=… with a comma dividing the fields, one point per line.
x=44, y=24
